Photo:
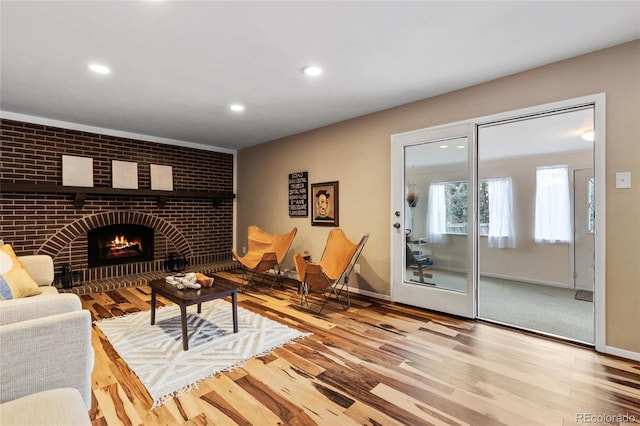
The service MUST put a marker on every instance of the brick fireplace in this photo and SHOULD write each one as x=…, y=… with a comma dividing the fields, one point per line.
x=56, y=224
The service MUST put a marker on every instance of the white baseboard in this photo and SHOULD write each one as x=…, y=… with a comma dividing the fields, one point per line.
x=289, y=273
x=293, y=274
x=369, y=293
x=526, y=280
x=622, y=353
x=507, y=277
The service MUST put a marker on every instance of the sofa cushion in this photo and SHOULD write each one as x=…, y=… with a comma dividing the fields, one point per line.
x=28, y=308
x=48, y=290
x=40, y=267
x=62, y=406
x=15, y=281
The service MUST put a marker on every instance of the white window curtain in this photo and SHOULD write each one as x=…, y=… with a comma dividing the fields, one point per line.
x=437, y=214
x=501, y=229
x=553, y=209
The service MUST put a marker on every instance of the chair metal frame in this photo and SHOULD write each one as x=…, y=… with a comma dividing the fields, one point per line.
x=267, y=262
x=334, y=287
x=263, y=255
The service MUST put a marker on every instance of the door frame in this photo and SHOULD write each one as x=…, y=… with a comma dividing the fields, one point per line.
x=598, y=101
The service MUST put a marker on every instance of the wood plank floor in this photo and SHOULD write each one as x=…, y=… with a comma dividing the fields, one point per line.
x=378, y=363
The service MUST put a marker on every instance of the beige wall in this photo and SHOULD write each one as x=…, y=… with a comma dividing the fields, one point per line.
x=357, y=154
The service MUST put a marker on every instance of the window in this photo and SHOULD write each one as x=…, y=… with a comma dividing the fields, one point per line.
x=553, y=212
x=455, y=194
x=447, y=211
x=456, y=207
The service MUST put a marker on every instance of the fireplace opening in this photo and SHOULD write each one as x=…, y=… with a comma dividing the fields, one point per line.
x=118, y=244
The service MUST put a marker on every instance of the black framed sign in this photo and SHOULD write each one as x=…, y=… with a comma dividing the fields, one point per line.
x=325, y=204
x=299, y=194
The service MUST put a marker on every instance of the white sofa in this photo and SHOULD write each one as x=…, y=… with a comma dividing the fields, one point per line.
x=45, y=345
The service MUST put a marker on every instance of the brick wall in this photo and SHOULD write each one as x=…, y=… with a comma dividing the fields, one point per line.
x=50, y=223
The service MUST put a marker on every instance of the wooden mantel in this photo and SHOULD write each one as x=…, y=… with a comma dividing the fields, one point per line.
x=81, y=192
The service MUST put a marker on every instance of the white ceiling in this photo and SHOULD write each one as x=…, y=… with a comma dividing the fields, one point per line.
x=177, y=65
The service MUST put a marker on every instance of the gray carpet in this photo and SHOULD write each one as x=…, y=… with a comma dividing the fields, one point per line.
x=536, y=307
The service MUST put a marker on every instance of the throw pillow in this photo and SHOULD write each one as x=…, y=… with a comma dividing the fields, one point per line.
x=15, y=281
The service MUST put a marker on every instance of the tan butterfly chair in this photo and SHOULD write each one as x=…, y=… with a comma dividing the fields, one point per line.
x=265, y=251
x=331, y=275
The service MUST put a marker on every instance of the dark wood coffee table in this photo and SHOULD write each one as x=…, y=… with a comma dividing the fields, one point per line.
x=221, y=288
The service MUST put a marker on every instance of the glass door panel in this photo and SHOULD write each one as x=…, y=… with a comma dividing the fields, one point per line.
x=436, y=220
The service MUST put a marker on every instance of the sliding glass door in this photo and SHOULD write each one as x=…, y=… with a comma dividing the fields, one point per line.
x=500, y=218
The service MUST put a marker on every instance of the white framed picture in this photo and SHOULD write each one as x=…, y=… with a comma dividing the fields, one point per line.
x=124, y=174
x=161, y=177
x=77, y=171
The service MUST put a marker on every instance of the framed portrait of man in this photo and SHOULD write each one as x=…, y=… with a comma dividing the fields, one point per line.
x=324, y=205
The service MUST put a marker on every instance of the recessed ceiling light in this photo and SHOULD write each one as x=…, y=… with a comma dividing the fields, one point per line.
x=312, y=70
x=588, y=135
x=236, y=107
x=461, y=147
x=444, y=146
x=100, y=69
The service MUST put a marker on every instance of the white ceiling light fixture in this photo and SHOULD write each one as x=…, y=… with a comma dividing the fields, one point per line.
x=236, y=107
x=588, y=135
x=99, y=69
x=444, y=146
x=312, y=70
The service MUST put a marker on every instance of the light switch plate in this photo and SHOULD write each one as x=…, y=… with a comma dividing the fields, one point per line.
x=623, y=180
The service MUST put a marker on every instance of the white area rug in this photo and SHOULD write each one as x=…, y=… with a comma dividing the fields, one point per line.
x=155, y=355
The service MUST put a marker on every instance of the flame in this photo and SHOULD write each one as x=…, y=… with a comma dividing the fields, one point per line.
x=120, y=242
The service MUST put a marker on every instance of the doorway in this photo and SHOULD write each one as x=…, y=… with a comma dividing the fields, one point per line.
x=450, y=279
x=538, y=246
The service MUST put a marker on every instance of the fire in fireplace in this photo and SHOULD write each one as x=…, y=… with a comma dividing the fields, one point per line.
x=118, y=244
